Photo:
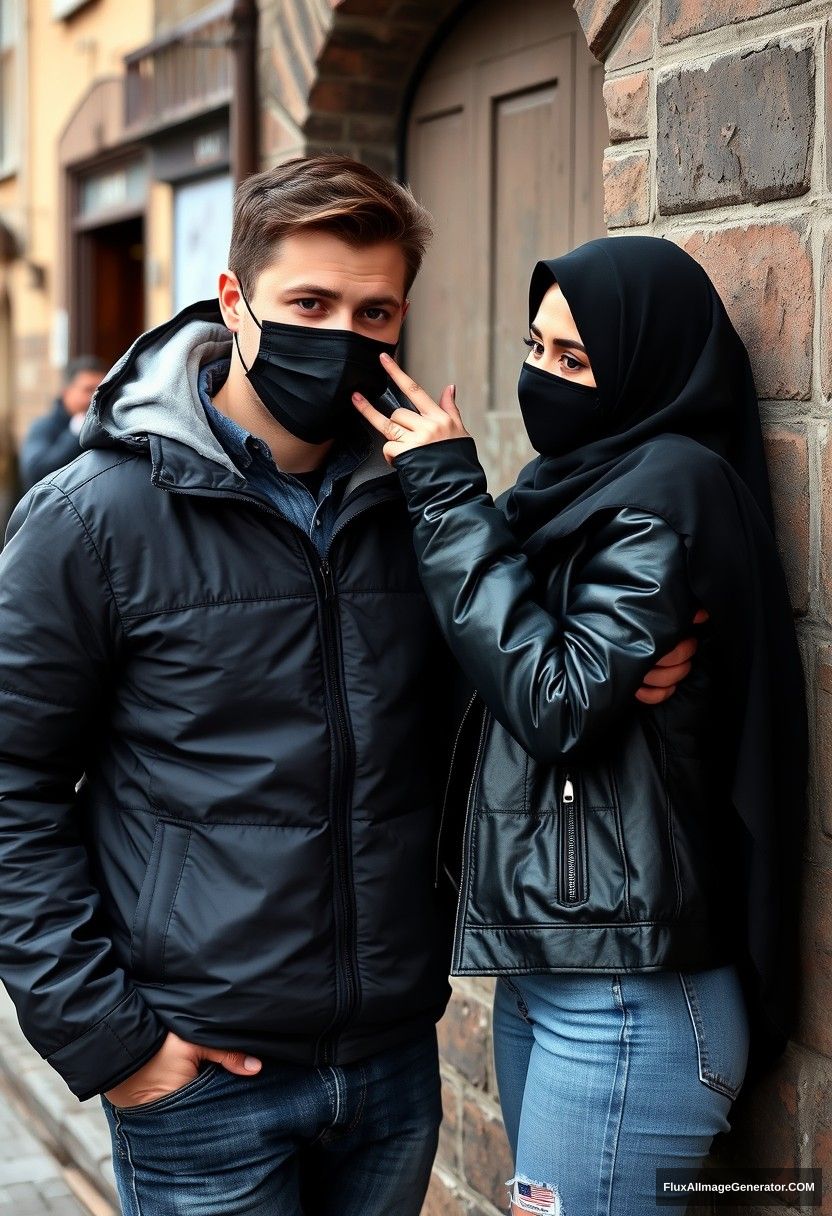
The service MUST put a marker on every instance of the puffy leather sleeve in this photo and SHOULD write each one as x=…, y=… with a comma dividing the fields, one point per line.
x=59, y=637
x=555, y=682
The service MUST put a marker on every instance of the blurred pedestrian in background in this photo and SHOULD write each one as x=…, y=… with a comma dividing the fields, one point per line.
x=52, y=441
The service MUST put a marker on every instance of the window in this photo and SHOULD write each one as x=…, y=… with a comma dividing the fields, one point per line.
x=8, y=85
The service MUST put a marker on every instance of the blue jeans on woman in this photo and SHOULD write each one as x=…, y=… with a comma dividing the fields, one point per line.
x=605, y=1078
x=291, y=1141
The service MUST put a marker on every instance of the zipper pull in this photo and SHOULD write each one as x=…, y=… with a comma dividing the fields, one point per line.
x=568, y=791
x=329, y=585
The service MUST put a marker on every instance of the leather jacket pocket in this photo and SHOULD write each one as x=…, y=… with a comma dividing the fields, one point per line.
x=720, y=1025
x=156, y=900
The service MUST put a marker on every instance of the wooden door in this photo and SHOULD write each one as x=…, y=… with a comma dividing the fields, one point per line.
x=505, y=146
x=113, y=257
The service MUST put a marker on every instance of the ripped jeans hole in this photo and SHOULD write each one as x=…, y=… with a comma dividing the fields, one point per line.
x=538, y=1197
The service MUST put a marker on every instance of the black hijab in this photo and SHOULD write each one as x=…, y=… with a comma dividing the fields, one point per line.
x=682, y=440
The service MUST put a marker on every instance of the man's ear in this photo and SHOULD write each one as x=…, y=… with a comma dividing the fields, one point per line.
x=405, y=309
x=231, y=299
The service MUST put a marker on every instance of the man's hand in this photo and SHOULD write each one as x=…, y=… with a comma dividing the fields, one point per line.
x=660, y=683
x=174, y=1065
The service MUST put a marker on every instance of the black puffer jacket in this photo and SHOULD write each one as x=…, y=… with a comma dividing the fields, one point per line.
x=248, y=860
x=596, y=834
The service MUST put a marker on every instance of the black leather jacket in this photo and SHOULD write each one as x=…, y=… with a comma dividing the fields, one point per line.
x=594, y=829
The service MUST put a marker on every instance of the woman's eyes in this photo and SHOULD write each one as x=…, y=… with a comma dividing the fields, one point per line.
x=569, y=361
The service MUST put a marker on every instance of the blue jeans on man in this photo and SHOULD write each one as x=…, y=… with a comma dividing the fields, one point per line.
x=324, y=1141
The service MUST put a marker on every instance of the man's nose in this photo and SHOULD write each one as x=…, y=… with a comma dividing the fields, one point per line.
x=342, y=318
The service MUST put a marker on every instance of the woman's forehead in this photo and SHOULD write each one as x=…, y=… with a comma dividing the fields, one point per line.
x=554, y=316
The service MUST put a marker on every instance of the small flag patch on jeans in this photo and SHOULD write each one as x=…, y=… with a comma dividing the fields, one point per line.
x=535, y=1197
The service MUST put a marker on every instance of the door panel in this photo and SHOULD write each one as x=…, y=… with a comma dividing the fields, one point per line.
x=505, y=146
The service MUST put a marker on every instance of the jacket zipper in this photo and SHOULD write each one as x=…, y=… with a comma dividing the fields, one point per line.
x=573, y=890
x=345, y=958
x=568, y=800
x=448, y=788
x=466, y=834
x=340, y=801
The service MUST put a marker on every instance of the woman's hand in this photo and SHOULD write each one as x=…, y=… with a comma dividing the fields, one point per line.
x=406, y=429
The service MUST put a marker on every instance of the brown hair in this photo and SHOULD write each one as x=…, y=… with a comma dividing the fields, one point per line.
x=325, y=194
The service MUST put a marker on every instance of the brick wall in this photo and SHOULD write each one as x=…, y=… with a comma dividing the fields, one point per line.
x=719, y=138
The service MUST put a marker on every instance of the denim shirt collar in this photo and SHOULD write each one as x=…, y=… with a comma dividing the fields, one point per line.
x=242, y=446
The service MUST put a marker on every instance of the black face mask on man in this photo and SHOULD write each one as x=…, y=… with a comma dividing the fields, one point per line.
x=559, y=416
x=305, y=376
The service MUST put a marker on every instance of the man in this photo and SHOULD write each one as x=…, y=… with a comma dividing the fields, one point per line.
x=230, y=930
x=52, y=441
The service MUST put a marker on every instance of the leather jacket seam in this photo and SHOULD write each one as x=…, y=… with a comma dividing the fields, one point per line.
x=619, y=833
x=595, y=924
x=671, y=834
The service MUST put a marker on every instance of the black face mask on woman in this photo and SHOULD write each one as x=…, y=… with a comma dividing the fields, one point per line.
x=559, y=415
x=306, y=376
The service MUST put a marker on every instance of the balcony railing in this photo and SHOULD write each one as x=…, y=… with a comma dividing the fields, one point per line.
x=181, y=74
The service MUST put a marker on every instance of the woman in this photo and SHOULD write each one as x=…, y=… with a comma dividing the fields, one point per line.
x=629, y=872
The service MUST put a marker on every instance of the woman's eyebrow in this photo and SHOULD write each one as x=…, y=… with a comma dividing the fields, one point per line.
x=558, y=341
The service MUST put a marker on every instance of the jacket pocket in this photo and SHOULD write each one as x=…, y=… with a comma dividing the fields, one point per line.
x=720, y=1025
x=156, y=900
x=572, y=880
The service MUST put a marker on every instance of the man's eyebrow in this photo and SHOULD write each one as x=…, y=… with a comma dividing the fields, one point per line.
x=378, y=301
x=326, y=293
x=310, y=289
x=558, y=341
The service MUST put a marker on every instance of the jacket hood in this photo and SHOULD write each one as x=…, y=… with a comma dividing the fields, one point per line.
x=152, y=389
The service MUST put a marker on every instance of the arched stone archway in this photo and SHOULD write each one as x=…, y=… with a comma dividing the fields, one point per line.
x=342, y=79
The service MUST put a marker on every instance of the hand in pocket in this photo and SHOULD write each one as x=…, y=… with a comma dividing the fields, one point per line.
x=175, y=1065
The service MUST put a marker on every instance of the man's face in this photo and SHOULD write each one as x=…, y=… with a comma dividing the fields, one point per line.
x=78, y=393
x=318, y=280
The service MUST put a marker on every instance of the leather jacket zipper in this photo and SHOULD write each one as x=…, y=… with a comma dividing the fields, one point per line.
x=466, y=836
x=572, y=846
x=571, y=861
x=448, y=788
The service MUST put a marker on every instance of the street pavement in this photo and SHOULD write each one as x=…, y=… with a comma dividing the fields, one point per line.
x=55, y=1152
x=32, y=1181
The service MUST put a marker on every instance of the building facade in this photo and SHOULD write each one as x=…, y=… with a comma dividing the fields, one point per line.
x=116, y=176
x=526, y=129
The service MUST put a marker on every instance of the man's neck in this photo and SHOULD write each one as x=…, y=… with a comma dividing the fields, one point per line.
x=238, y=401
